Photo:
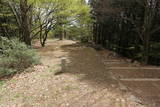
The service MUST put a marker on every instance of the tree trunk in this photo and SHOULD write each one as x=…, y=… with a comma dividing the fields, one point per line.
x=44, y=38
x=146, y=49
x=148, y=18
x=24, y=8
x=62, y=35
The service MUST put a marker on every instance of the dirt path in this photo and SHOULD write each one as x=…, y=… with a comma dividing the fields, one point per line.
x=87, y=81
x=141, y=81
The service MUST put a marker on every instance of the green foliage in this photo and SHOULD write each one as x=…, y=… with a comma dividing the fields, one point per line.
x=73, y=19
x=15, y=56
x=59, y=16
x=8, y=25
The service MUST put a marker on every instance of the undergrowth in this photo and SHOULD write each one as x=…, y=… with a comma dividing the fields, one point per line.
x=15, y=56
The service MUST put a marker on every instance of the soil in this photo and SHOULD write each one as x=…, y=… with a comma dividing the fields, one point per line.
x=88, y=80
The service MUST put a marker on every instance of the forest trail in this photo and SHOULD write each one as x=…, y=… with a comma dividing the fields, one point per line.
x=90, y=80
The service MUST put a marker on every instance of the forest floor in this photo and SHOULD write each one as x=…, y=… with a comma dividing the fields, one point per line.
x=91, y=79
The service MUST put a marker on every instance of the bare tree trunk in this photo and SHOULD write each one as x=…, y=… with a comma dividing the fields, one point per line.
x=62, y=36
x=62, y=33
x=146, y=49
x=24, y=8
x=43, y=37
x=148, y=18
x=41, y=34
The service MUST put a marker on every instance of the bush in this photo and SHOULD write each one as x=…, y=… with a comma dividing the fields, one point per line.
x=15, y=56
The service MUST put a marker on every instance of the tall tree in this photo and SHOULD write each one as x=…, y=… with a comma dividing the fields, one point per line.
x=25, y=21
x=127, y=27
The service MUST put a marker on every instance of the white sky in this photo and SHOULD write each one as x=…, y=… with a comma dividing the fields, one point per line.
x=87, y=1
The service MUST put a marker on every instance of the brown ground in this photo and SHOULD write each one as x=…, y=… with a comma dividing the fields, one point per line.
x=91, y=79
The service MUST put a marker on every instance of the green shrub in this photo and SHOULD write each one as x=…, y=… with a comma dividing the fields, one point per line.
x=15, y=56
x=6, y=71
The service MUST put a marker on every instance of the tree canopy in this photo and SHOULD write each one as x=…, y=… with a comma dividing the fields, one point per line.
x=36, y=18
x=129, y=27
